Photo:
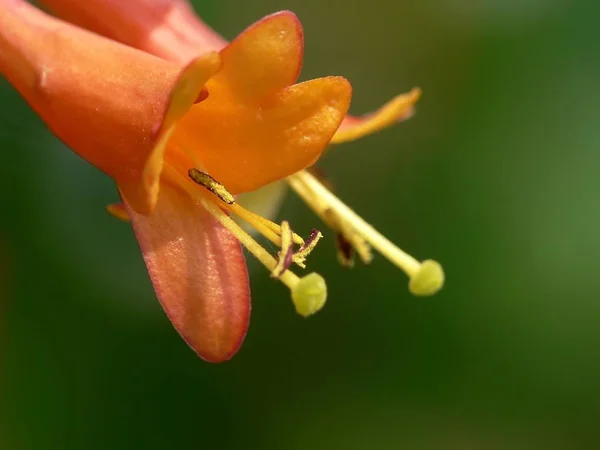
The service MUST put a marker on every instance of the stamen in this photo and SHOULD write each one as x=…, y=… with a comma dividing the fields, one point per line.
x=349, y=234
x=311, y=242
x=426, y=278
x=287, y=251
x=309, y=293
x=345, y=251
x=287, y=255
x=348, y=241
x=208, y=182
x=260, y=222
x=265, y=227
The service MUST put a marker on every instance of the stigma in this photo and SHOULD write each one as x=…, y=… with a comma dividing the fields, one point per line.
x=354, y=234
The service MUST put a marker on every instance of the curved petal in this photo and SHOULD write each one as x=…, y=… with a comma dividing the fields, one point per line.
x=263, y=59
x=101, y=98
x=245, y=147
x=396, y=110
x=165, y=28
x=143, y=194
x=111, y=104
x=198, y=272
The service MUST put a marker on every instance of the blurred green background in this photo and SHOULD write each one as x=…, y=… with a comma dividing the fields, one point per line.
x=496, y=177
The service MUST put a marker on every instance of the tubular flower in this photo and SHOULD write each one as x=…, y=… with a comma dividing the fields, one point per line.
x=171, y=30
x=181, y=140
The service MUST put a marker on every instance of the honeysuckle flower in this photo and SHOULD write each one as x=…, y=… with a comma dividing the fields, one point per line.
x=181, y=140
x=171, y=30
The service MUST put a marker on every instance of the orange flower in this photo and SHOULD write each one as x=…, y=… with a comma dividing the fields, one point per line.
x=159, y=129
x=169, y=29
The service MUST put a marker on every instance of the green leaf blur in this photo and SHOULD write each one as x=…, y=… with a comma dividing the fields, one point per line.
x=495, y=177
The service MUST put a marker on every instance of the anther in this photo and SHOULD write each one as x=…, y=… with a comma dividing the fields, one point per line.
x=345, y=251
x=348, y=241
x=309, y=293
x=284, y=260
x=357, y=242
x=268, y=229
x=311, y=242
x=287, y=256
x=208, y=182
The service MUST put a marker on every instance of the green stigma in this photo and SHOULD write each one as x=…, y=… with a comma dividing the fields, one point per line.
x=309, y=294
x=428, y=279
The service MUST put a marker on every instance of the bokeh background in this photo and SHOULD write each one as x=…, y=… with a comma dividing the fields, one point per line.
x=496, y=177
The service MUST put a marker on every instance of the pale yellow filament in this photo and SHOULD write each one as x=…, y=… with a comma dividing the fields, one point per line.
x=426, y=278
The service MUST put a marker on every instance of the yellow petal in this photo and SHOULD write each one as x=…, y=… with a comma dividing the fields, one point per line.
x=246, y=146
x=263, y=59
x=396, y=110
x=143, y=195
x=118, y=211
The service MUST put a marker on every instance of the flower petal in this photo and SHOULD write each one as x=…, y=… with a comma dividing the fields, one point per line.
x=245, y=146
x=198, y=271
x=396, y=110
x=111, y=104
x=165, y=28
x=56, y=67
x=118, y=211
x=263, y=59
x=143, y=194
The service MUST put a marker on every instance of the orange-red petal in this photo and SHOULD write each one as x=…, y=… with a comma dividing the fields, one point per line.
x=142, y=193
x=166, y=28
x=198, y=272
x=101, y=98
x=245, y=146
x=110, y=103
x=396, y=110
